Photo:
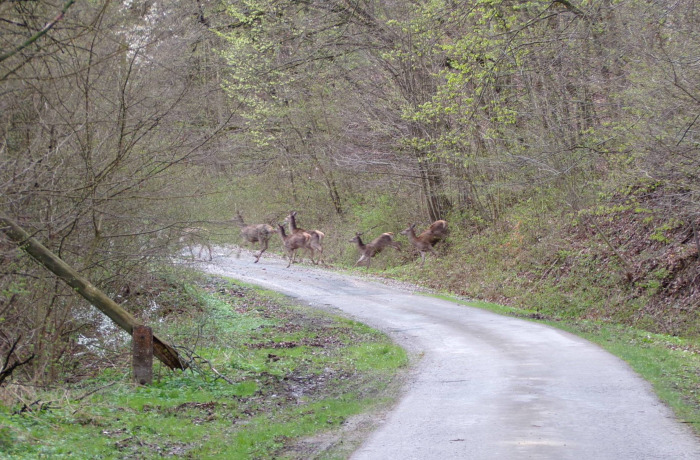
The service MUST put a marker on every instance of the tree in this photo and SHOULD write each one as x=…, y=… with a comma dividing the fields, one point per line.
x=101, y=114
x=282, y=54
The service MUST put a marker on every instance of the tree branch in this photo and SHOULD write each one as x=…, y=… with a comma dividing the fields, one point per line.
x=569, y=6
x=39, y=34
x=7, y=370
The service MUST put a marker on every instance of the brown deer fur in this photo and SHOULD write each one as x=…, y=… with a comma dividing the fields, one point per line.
x=257, y=233
x=370, y=250
x=425, y=241
x=292, y=242
x=315, y=242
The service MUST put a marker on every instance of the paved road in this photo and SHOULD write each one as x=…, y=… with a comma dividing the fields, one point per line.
x=488, y=386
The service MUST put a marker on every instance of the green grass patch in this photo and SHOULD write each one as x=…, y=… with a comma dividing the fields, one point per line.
x=266, y=373
x=671, y=364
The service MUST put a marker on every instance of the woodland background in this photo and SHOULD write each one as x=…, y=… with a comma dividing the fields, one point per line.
x=560, y=139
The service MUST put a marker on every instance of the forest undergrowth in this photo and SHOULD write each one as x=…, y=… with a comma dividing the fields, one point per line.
x=266, y=378
x=620, y=273
x=619, y=261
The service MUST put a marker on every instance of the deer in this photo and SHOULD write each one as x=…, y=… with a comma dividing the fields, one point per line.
x=193, y=236
x=292, y=242
x=256, y=233
x=425, y=241
x=315, y=242
x=370, y=250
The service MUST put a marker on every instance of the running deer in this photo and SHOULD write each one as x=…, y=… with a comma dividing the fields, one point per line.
x=196, y=236
x=315, y=242
x=292, y=242
x=370, y=250
x=257, y=233
x=425, y=241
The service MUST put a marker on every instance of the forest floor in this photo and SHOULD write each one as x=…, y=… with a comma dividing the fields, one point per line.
x=267, y=378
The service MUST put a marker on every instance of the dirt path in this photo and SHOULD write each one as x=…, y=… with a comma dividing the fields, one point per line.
x=488, y=386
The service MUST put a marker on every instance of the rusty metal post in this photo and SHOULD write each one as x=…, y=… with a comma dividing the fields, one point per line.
x=142, y=339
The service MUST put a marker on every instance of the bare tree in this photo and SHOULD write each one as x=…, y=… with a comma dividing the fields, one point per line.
x=98, y=121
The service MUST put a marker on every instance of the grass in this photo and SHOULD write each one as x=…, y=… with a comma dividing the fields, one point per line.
x=294, y=373
x=290, y=372
x=670, y=364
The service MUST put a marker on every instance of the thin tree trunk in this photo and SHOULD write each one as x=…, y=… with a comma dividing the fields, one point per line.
x=161, y=349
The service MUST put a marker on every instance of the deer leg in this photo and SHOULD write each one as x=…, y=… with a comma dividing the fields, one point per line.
x=263, y=247
x=201, y=249
x=292, y=255
x=422, y=256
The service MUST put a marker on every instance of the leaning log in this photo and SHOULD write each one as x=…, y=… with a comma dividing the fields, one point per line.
x=161, y=349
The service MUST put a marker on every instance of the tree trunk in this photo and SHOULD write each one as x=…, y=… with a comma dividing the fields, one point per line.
x=162, y=350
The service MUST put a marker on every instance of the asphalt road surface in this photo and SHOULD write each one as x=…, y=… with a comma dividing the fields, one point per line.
x=487, y=386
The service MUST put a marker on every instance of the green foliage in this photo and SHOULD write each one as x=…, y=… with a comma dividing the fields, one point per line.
x=671, y=364
x=660, y=232
x=267, y=348
x=378, y=212
x=377, y=356
x=8, y=440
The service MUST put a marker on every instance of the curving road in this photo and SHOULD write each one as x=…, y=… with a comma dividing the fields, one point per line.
x=488, y=386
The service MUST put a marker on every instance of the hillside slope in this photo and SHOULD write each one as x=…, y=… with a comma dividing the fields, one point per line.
x=621, y=261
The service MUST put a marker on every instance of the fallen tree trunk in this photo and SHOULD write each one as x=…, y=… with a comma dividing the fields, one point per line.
x=162, y=350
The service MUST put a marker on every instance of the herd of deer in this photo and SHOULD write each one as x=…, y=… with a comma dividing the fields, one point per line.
x=312, y=240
